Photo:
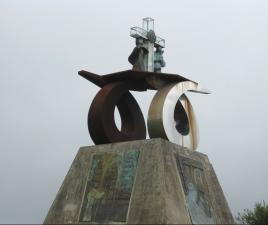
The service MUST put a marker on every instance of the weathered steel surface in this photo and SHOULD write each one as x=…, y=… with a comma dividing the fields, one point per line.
x=101, y=122
x=136, y=80
x=171, y=115
x=157, y=196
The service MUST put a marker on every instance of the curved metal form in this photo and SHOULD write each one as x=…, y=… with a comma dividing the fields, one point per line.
x=101, y=123
x=171, y=115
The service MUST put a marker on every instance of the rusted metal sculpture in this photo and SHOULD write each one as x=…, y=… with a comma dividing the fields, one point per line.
x=101, y=123
x=170, y=116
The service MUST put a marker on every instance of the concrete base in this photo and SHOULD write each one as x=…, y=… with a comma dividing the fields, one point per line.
x=140, y=182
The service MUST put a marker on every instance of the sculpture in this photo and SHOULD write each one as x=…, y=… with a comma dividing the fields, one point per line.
x=158, y=59
x=143, y=57
x=170, y=115
x=138, y=56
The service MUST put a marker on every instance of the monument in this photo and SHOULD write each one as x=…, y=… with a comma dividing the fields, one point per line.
x=128, y=179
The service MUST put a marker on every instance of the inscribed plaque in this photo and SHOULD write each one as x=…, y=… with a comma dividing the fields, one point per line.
x=109, y=187
x=196, y=190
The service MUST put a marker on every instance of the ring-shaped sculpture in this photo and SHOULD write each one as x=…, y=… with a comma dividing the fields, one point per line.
x=171, y=115
x=101, y=122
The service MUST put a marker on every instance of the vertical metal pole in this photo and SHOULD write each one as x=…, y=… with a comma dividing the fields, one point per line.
x=150, y=63
x=148, y=24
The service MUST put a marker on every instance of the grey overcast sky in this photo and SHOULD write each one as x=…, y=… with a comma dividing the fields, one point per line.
x=222, y=44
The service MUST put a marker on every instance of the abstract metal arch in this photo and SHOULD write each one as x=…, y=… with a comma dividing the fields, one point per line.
x=171, y=115
x=101, y=123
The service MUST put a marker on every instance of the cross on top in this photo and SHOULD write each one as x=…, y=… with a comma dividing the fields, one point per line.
x=150, y=40
x=147, y=25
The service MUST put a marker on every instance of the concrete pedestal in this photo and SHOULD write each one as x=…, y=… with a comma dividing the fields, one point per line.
x=140, y=182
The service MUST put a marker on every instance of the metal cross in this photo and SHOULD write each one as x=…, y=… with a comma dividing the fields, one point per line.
x=150, y=40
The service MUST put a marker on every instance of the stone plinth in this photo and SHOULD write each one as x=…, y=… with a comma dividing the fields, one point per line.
x=140, y=182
